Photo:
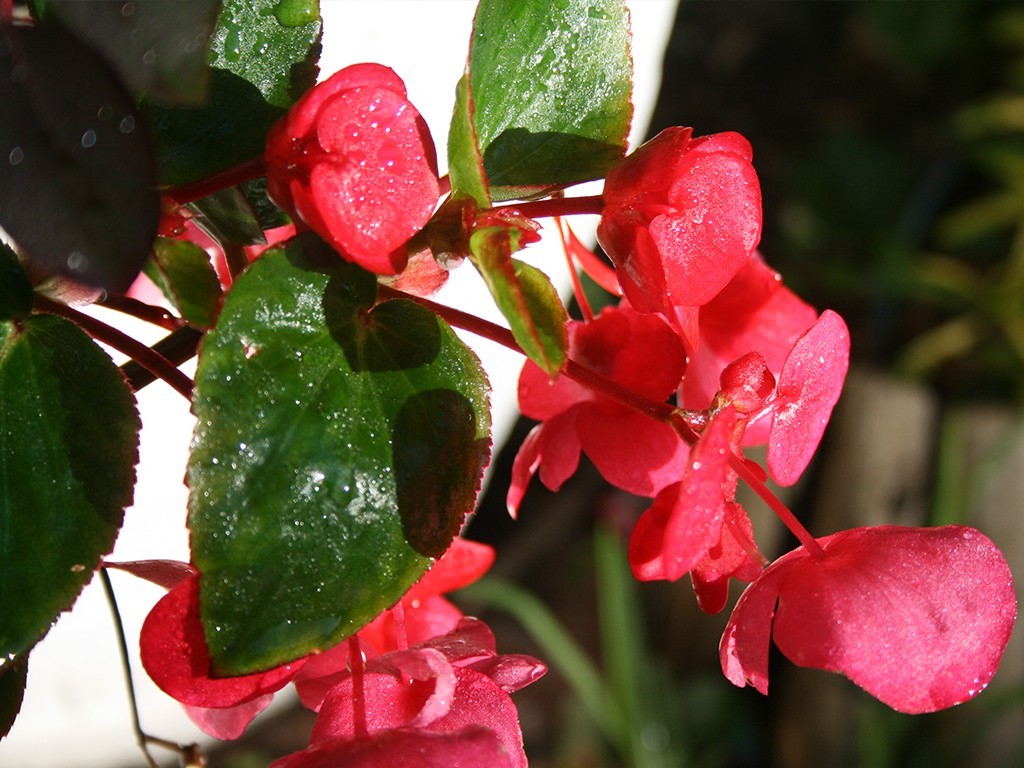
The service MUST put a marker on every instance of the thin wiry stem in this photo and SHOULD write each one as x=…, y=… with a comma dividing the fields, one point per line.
x=188, y=754
x=149, y=359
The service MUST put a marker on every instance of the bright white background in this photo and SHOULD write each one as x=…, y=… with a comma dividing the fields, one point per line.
x=75, y=713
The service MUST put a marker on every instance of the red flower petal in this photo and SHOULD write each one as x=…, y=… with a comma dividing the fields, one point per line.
x=918, y=617
x=463, y=563
x=228, y=723
x=412, y=689
x=471, y=747
x=174, y=654
x=681, y=217
x=809, y=386
x=630, y=450
x=685, y=521
x=552, y=447
x=354, y=160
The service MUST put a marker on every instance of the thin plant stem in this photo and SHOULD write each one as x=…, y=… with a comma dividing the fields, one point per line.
x=177, y=347
x=189, y=754
x=140, y=310
x=229, y=177
x=152, y=361
x=556, y=206
x=355, y=655
x=783, y=512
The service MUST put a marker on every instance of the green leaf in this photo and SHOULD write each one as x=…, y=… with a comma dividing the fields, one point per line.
x=13, y=676
x=157, y=47
x=465, y=164
x=68, y=449
x=228, y=217
x=78, y=190
x=264, y=56
x=16, y=295
x=273, y=44
x=337, y=449
x=524, y=295
x=551, y=85
x=182, y=270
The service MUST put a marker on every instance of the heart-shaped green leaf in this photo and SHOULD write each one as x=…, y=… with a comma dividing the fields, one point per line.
x=78, y=190
x=264, y=55
x=551, y=84
x=68, y=450
x=338, y=448
x=182, y=270
x=158, y=47
x=524, y=295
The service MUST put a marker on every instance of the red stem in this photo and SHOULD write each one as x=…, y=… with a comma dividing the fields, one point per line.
x=781, y=510
x=152, y=361
x=355, y=662
x=141, y=310
x=229, y=177
x=556, y=206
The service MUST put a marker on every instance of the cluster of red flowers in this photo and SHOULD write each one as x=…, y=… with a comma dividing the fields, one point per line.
x=918, y=617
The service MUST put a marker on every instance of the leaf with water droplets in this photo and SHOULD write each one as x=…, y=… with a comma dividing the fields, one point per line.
x=68, y=448
x=78, y=187
x=263, y=56
x=338, y=444
x=551, y=85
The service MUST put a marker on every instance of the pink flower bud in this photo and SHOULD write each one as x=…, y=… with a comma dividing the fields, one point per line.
x=681, y=217
x=354, y=160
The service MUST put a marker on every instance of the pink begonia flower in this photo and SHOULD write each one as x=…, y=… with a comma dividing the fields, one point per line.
x=754, y=312
x=681, y=217
x=445, y=685
x=630, y=450
x=354, y=160
x=420, y=615
x=695, y=526
x=175, y=655
x=472, y=747
x=917, y=617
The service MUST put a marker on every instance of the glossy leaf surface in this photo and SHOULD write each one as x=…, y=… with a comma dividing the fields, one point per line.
x=67, y=469
x=338, y=448
x=551, y=87
x=264, y=56
x=78, y=189
x=182, y=270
